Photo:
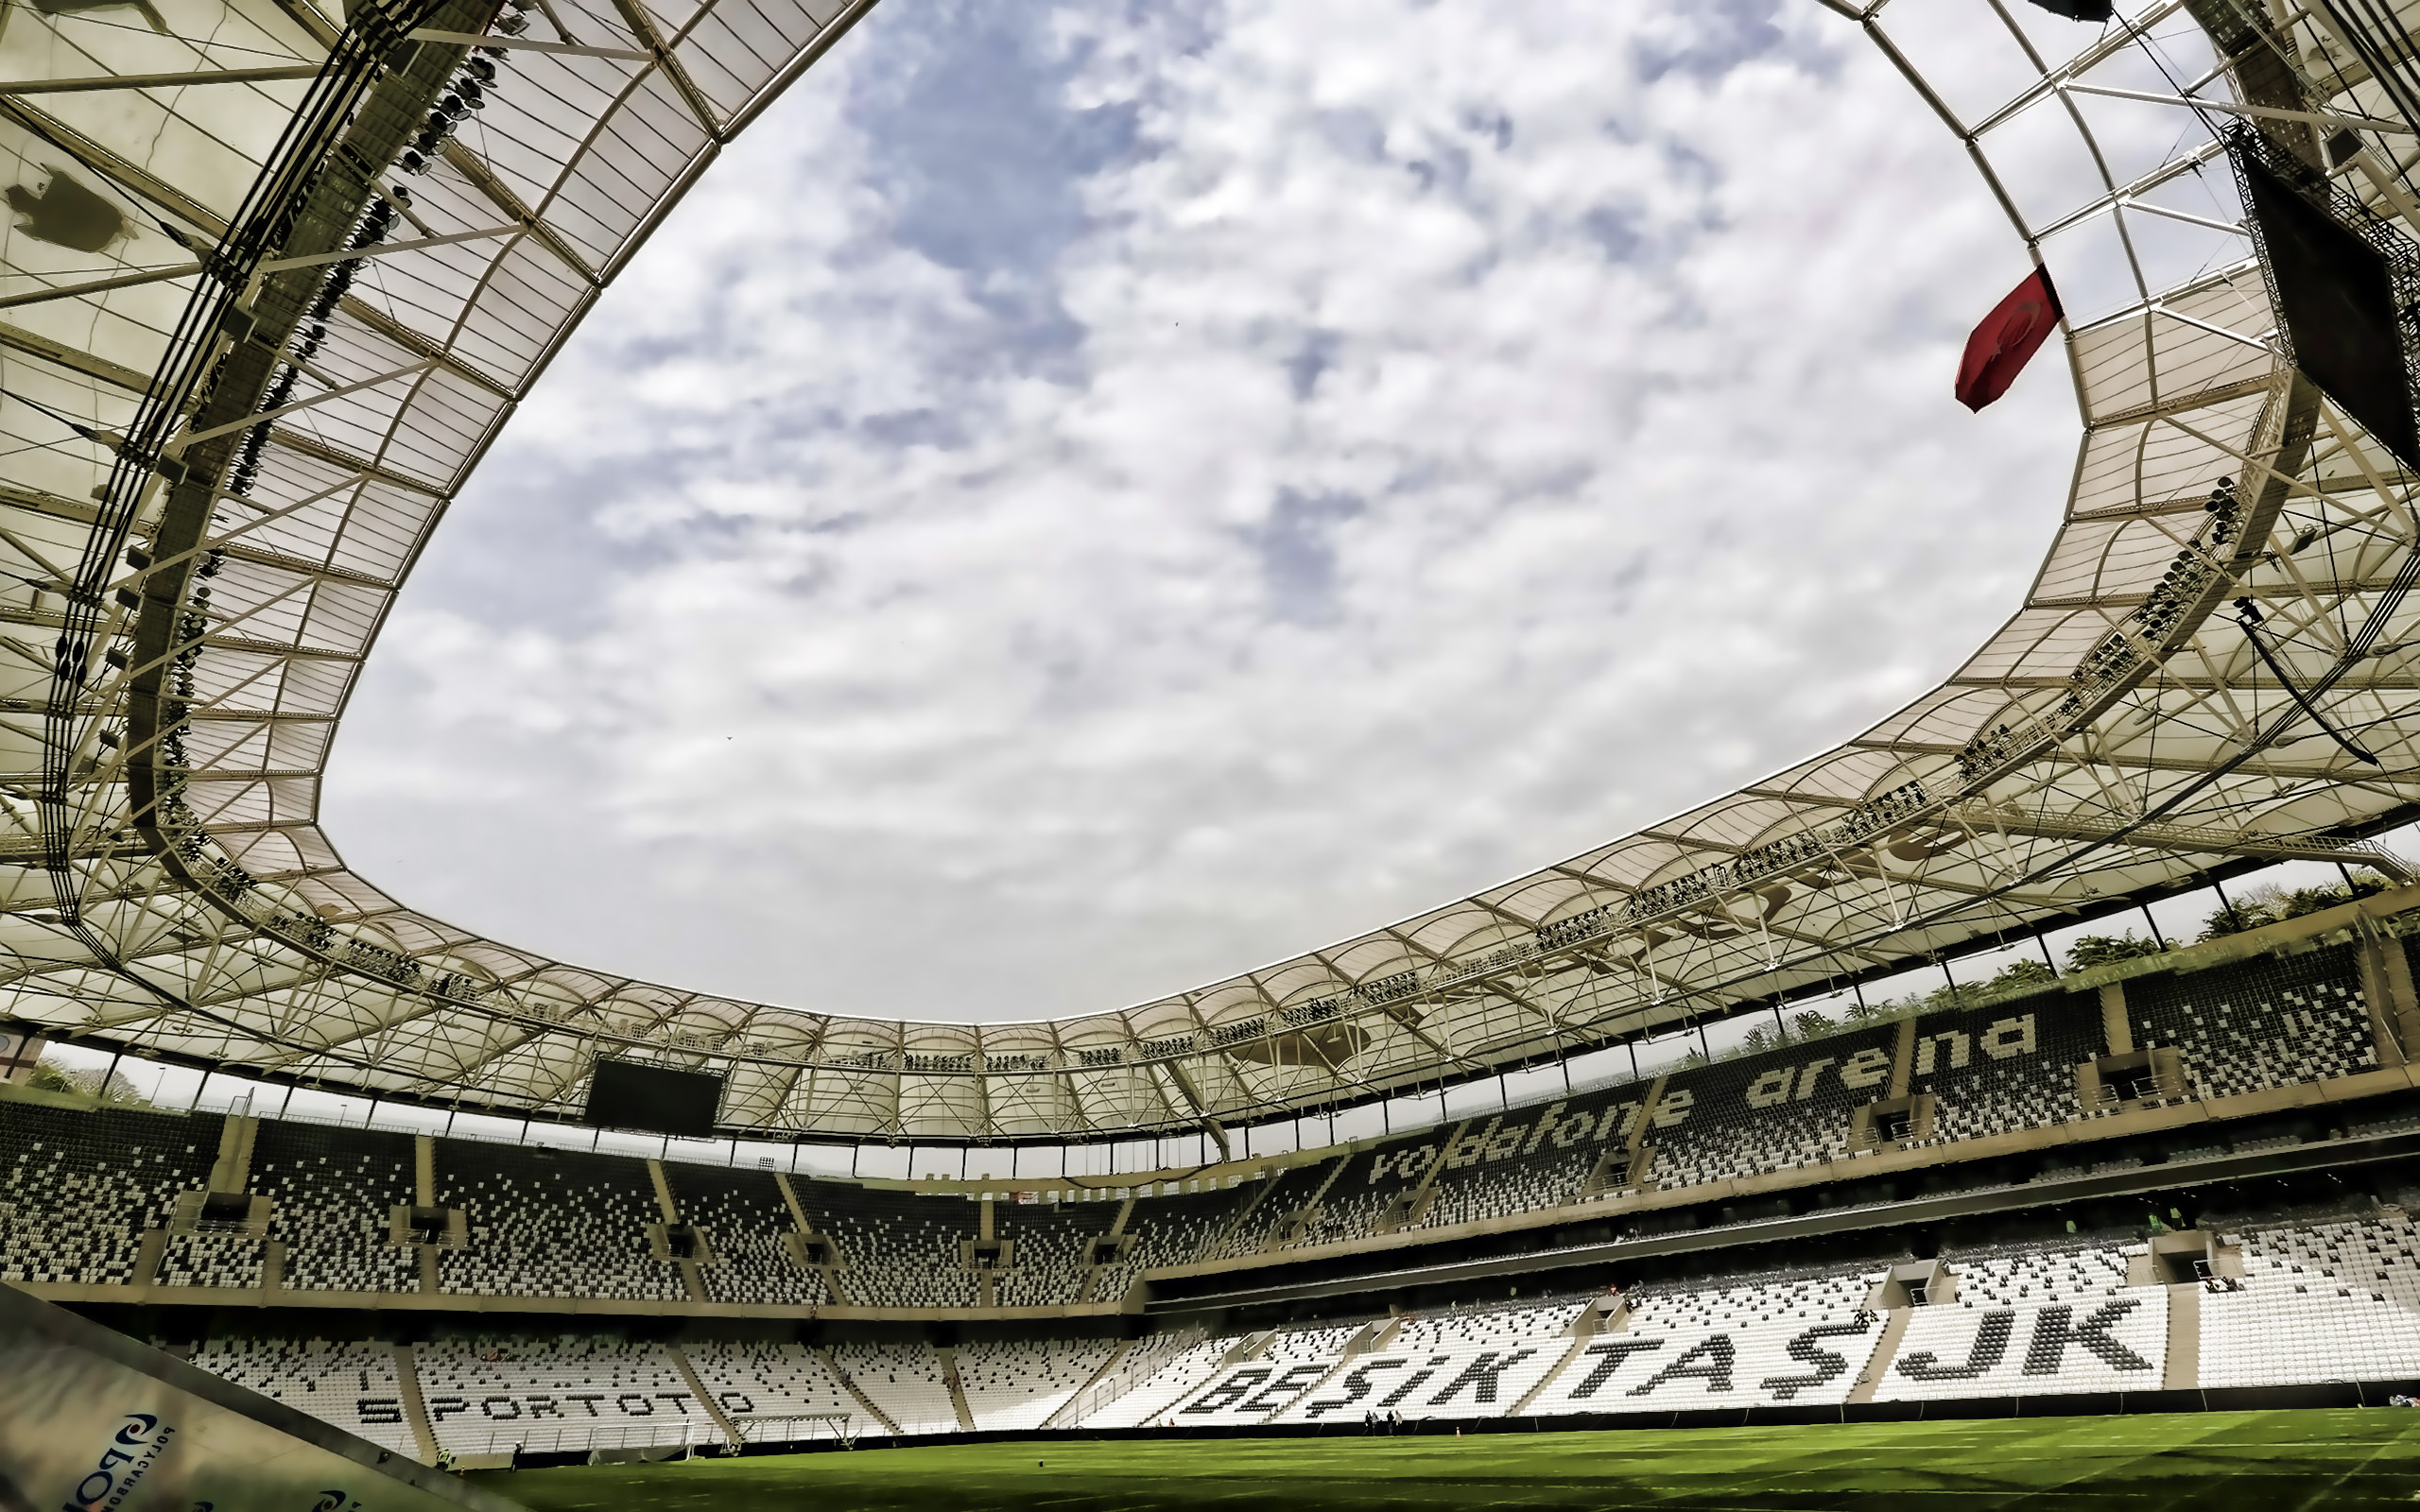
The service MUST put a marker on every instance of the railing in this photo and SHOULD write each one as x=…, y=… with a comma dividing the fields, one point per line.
x=1100, y=1397
x=1102, y=1394
x=2152, y=1088
x=573, y=1437
x=794, y=1428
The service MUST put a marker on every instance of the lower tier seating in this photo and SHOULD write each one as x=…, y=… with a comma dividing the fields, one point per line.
x=486, y=1395
x=1787, y=1339
x=2336, y=1301
x=356, y=1386
x=2022, y=1325
x=904, y=1381
x=2283, y=1303
x=1019, y=1384
x=776, y=1392
x=1457, y=1364
x=1164, y=1375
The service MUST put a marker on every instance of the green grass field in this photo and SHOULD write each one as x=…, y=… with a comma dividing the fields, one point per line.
x=2219, y=1461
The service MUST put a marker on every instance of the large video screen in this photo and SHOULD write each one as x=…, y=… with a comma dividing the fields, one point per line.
x=625, y=1094
x=2337, y=301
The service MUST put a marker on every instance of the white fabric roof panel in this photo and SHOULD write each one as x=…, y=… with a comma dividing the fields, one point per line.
x=2079, y=755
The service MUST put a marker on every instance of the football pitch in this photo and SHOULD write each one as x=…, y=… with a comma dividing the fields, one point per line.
x=2302, y=1459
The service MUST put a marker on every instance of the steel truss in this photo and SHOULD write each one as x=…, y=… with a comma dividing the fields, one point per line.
x=266, y=354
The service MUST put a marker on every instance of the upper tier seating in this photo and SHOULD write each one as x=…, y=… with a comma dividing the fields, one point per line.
x=1279, y=1194
x=78, y=1189
x=1371, y=1184
x=551, y=1223
x=1167, y=1230
x=1528, y=1158
x=1786, y=1107
x=356, y=1386
x=571, y=1393
x=330, y=1193
x=2007, y=1067
x=2268, y=1022
x=743, y=1217
x=1047, y=1242
x=213, y=1260
x=899, y=1249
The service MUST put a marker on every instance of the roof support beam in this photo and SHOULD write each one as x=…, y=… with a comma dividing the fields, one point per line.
x=207, y=76
x=99, y=285
x=75, y=359
x=529, y=44
x=2265, y=112
x=469, y=165
x=279, y=264
x=177, y=447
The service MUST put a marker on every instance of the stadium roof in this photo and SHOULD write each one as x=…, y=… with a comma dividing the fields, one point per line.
x=241, y=375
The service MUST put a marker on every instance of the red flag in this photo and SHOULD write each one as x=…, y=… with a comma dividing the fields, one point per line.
x=2007, y=339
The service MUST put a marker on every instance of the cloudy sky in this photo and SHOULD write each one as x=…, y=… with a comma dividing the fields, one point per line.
x=1092, y=496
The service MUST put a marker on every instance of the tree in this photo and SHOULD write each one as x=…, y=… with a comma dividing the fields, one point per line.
x=2269, y=904
x=1757, y=1039
x=2100, y=949
x=1812, y=1024
x=2235, y=917
x=52, y=1077
x=2315, y=900
x=1861, y=1011
x=2020, y=973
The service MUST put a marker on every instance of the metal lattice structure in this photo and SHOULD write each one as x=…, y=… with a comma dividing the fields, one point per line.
x=266, y=298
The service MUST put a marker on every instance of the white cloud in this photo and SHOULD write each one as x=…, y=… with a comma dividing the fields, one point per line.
x=1426, y=440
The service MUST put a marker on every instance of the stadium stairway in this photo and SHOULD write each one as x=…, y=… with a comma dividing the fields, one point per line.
x=849, y=1384
x=1221, y=1242
x=706, y=1398
x=1250, y=1347
x=415, y=1411
x=2183, y=1369
x=1369, y=1339
x=690, y=1279
x=1886, y=1349
x=425, y=1196
x=1305, y=1219
x=951, y=1379
x=1626, y=1169
x=1407, y=1210
x=1070, y=1410
x=1116, y=1232
x=832, y=1269
x=1593, y=1319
